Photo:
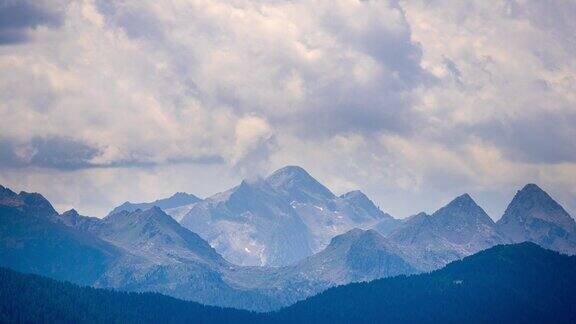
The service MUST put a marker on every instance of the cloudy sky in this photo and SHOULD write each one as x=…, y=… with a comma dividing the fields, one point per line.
x=414, y=102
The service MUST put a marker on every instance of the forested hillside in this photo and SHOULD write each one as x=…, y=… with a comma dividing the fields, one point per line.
x=26, y=298
x=520, y=283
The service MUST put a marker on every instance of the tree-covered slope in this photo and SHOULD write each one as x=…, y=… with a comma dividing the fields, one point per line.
x=26, y=298
x=521, y=283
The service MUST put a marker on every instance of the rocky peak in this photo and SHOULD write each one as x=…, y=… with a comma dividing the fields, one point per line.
x=32, y=204
x=533, y=202
x=462, y=209
x=298, y=185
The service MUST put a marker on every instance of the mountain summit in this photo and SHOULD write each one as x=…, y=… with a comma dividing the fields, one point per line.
x=456, y=230
x=33, y=204
x=278, y=220
x=298, y=185
x=534, y=216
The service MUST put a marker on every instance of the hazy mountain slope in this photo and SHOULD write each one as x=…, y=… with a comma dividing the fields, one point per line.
x=154, y=234
x=534, y=216
x=278, y=220
x=363, y=209
x=505, y=284
x=71, y=218
x=354, y=256
x=33, y=240
x=251, y=225
x=456, y=230
x=149, y=251
x=168, y=258
x=176, y=205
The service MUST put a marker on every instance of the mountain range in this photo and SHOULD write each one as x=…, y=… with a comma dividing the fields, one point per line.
x=147, y=250
x=459, y=229
x=278, y=220
x=521, y=283
x=264, y=244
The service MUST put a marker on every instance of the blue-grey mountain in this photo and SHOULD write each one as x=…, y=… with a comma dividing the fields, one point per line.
x=316, y=239
x=459, y=229
x=279, y=220
x=33, y=240
x=176, y=205
x=149, y=251
x=534, y=216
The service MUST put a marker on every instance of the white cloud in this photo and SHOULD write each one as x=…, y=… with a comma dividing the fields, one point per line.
x=414, y=102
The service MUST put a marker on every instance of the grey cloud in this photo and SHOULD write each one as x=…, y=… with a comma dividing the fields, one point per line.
x=167, y=84
x=136, y=22
x=51, y=152
x=339, y=106
x=558, y=18
x=357, y=110
x=547, y=137
x=454, y=71
x=392, y=48
x=69, y=154
x=18, y=17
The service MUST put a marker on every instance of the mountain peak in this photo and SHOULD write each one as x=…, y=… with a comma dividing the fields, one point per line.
x=534, y=215
x=533, y=190
x=9, y=197
x=6, y=191
x=179, y=198
x=298, y=184
x=532, y=186
x=72, y=212
x=292, y=170
x=354, y=194
x=181, y=194
x=463, y=208
x=463, y=200
x=361, y=202
x=531, y=196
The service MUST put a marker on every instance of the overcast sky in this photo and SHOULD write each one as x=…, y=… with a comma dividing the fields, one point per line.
x=413, y=102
